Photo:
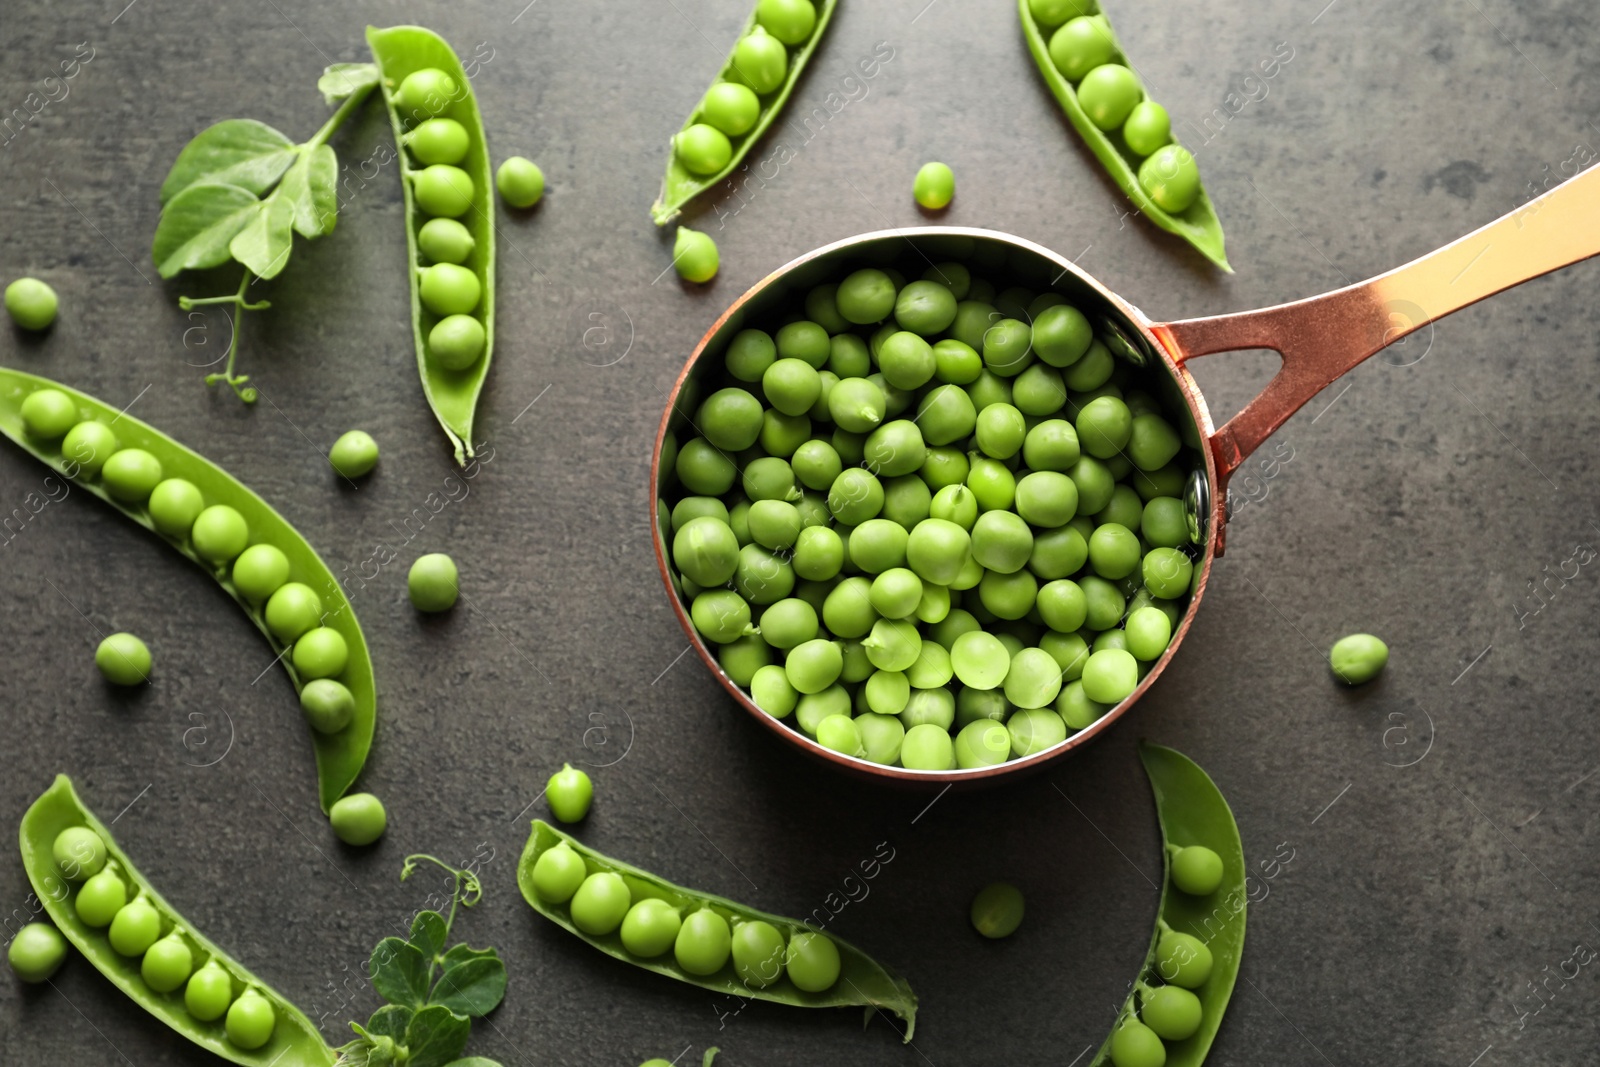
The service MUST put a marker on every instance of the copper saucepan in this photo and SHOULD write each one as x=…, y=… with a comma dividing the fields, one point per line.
x=1319, y=339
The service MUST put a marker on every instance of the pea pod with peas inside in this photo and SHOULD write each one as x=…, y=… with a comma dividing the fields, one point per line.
x=447, y=183
x=1172, y=1014
x=129, y=933
x=234, y=535
x=1130, y=134
x=750, y=91
x=698, y=938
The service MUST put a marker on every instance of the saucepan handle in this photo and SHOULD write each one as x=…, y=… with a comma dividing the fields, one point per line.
x=1322, y=337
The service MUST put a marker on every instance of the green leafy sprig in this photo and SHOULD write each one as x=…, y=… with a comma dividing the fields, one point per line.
x=240, y=190
x=434, y=989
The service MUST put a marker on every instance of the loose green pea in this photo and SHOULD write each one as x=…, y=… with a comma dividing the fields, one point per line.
x=424, y=93
x=174, y=505
x=569, y=793
x=449, y=289
x=1152, y=442
x=694, y=254
x=1167, y=573
x=1110, y=676
x=455, y=343
x=1147, y=128
x=320, y=653
x=37, y=951
x=1136, y=1045
x=434, y=583
x=167, y=963
x=89, y=444
x=649, y=929
x=209, y=992
x=444, y=190
x=702, y=149
x=123, y=659
x=866, y=296
x=558, y=873
x=812, y=960
x=358, y=819
x=703, y=943
x=928, y=747
x=327, y=704
x=219, y=534
x=439, y=141
x=445, y=241
x=761, y=61
x=292, y=610
x=520, y=182
x=48, y=413
x=1358, y=658
x=135, y=927
x=250, y=1021
x=1034, y=730
x=934, y=187
x=814, y=665
x=982, y=743
x=772, y=693
x=31, y=303
x=1108, y=94
x=790, y=21
x=1172, y=1012
x=997, y=910
x=1007, y=348
x=839, y=733
x=703, y=469
x=101, y=898
x=1196, y=870
x=79, y=853
x=1171, y=178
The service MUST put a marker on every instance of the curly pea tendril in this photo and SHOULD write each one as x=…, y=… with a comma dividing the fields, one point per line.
x=188, y=303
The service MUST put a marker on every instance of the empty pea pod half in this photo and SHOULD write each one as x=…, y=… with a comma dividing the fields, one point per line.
x=1130, y=134
x=105, y=908
x=701, y=939
x=449, y=197
x=235, y=536
x=750, y=91
x=1172, y=1014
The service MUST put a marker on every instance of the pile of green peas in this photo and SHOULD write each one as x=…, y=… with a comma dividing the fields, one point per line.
x=733, y=108
x=449, y=290
x=1084, y=50
x=936, y=523
x=216, y=534
x=169, y=959
x=702, y=940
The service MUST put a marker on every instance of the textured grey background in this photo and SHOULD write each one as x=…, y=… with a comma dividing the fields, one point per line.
x=1420, y=502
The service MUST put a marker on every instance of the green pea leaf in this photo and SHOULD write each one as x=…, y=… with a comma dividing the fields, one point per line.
x=242, y=152
x=390, y=1021
x=399, y=972
x=316, y=198
x=436, y=1036
x=428, y=933
x=460, y=954
x=265, y=241
x=197, y=226
x=474, y=988
x=343, y=80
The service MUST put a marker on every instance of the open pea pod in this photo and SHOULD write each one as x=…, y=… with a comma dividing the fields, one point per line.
x=294, y=1041
x=340, y=755
x=1192, y=811
x=680, y=184
x=452, y=393
x=862, y=982
x=1198, y=223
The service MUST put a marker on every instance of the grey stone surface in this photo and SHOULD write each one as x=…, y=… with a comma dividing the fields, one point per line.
x=1420, y=502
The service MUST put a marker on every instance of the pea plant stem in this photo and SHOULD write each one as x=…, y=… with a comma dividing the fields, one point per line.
x=467, y=891
x=336, y=119
x=248, y=395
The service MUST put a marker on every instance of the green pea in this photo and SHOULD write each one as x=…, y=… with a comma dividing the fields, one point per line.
x=1007, y=347
x=704, y=470
x=857, y=405
x=791, y=385
x=1152, y=442
x=694, y=507
x=48, y=413
x=1172, y=1012
x=813, y=708
x=1167, y=573
x=839, y=733
x=1061, y=335
x=37, y=951
x=895, y=593
x=1196, y=870
x=208, y=992
x=1081, y=45
x=881, y=737
x=424, y=93
x=866, y=297
x=327, y=704
x=1008, y=596
x=905, y=359
x=89, y=444
x=1001, y=541
x=1113, y=551
x=1147, y=128
x=259, y=572
x=1052, y=13
x=1183, y=960
x=997, y=910
x=703, y=943
x=79, y=853
x=174, y=505
x=1000, y=430
x=774, y=524
x=135, y=927
x=929, y=707
x=1108, y=94
x=761, y=61
x=1136, y=1045
x=292, y=610
x=772, y=693
x=790, y=21
x=1149, y=632
x=887, y=692
x=250, y=1021
x=434, y=583
x=569, y=793
x=731, y=108
x=814, y=665
x=1355, y=659
x=762, y=577
x=847, y=612
x=1047, y=499
x=993, y=486
x=893, y=644
x=896, y=448
x=123, y=659
x=1124, y=509
x=818, y=553
x=956, y=362
x=443, y=190
x=848, y=355
x=219, y=534
x=812, y=960
x=985, y=706
x=449, y=289
x=358, y=819
x=979, y=660
x=1095, y=484
x=445, y=241
x=935, y=186
x=1033, y=679
x=31, y=304
x=721, y=615
x=1171, y=178
x=650, y=927
x=1104, y=426
x=130, y=474
x=520, y=182
x=788, y=623
x=694, y=254
x=101, y=898
x=758, y=952
x=982, y=743
x=455, y=343
x=1034, y=730
x=1110, y=676
x=706, y=551
x=320, y=653
x=955, y=504
x=1038, y=391
x=702, y=149
x=558, y=873
x=167, y=964
x=355, y=453
x=438, y=141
